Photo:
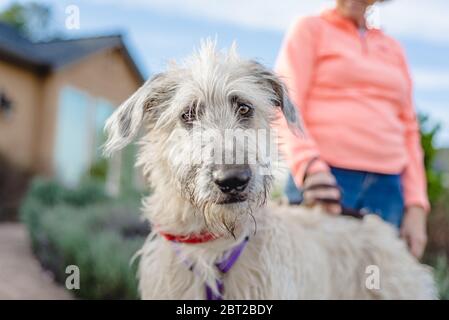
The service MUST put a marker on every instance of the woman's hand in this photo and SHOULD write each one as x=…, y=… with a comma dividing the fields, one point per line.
x=413, y=230
x=321, y=188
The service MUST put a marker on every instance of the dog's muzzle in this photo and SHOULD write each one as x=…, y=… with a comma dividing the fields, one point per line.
x=232, y=180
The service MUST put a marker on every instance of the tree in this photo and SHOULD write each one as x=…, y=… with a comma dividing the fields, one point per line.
x=32, y=19
x=434, y=178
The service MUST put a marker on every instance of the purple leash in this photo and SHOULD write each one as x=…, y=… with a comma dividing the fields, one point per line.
x=224, y=266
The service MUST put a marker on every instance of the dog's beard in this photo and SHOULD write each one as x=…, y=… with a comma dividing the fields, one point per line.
x=226, y=218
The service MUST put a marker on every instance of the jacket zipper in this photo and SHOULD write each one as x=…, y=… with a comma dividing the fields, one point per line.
x=363, y=39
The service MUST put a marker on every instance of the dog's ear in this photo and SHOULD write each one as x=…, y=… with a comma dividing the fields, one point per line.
x=282, y=99
x=124, y=124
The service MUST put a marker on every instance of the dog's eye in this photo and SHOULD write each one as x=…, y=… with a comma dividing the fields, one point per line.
x=244, y=109
x=189, y=116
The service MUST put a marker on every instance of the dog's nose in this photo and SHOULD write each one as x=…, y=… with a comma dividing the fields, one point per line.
x=232, y=178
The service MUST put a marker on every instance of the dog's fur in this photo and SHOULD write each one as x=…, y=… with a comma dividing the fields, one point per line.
x=293, y=253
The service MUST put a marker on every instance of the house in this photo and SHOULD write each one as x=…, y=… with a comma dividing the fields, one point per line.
x=55, y=97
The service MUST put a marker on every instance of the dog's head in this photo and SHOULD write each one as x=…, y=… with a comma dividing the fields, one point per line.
x=206, y=132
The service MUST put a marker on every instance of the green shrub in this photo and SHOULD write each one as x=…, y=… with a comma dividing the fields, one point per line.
x=99, y=170
x=440, y=266
x=429, y=132
x=84, y=227
x=51, y=193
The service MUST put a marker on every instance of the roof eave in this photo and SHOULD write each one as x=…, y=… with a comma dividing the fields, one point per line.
x=34, y=66
x=132, y=63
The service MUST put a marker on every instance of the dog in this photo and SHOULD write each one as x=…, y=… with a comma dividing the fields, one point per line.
x=213, y=234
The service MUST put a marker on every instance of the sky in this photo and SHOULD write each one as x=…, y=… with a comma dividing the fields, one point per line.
x=157, y=31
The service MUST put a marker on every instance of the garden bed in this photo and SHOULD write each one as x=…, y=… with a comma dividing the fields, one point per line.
x=86, y=228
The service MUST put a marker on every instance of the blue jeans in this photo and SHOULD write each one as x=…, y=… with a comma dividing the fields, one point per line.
x=380, y=194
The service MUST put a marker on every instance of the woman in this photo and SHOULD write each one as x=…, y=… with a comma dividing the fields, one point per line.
x=362, y=143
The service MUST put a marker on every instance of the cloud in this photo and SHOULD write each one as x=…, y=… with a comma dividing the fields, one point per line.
x=266, y=14
x=408, y=18
x=416, y=18
x=431, y=80
x=405, y=18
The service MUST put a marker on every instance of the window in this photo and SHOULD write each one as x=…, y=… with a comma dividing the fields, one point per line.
x=79, y=134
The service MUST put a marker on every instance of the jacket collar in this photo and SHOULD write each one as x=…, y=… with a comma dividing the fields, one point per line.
x=334, y=17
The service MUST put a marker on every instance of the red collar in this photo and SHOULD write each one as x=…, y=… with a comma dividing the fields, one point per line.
x=190, y=238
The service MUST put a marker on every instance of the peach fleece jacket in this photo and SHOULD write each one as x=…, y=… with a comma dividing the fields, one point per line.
x=354, y=94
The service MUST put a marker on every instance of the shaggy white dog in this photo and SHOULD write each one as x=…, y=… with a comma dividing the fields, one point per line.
x=213, y=237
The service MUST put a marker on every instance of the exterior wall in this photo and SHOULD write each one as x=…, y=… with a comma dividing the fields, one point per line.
x=104, y=75
x=17, y=130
